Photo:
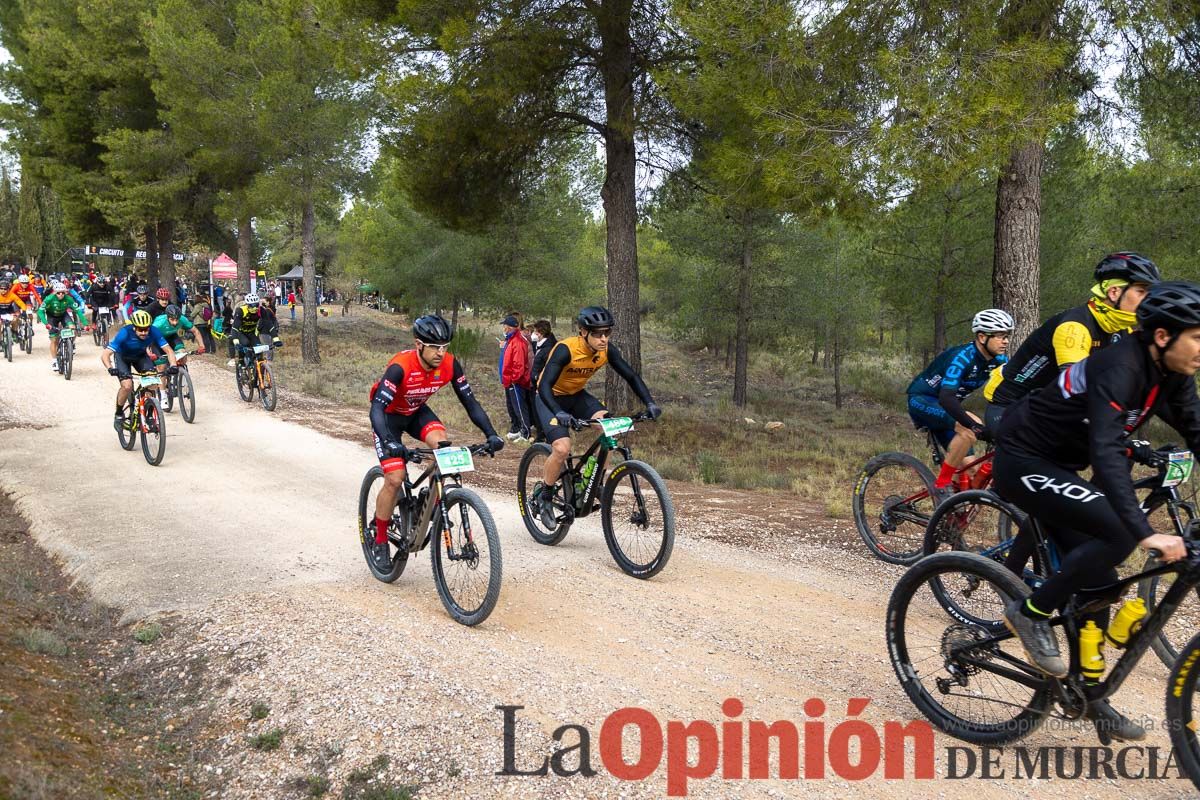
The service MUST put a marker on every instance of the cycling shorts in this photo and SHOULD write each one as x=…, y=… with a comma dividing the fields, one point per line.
x=927, y=412
x=420, y=425
x=580, y=405
x=126, y=367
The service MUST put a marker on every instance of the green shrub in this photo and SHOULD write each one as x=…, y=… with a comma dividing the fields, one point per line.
x=148, y=634
x=259, y=710
x=267, y=741
x=40, y=640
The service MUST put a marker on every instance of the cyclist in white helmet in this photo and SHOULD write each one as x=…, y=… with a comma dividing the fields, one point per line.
x=935, y=396
x=251, y=321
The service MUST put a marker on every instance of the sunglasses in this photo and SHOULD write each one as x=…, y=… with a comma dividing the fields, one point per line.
x=441, y=348
x=141, y=330
x=606, y=333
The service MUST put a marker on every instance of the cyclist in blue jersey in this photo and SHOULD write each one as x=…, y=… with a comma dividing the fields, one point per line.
x=935, y=396
x=135, y=347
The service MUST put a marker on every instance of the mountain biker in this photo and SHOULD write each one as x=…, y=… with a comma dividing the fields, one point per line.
x=1088, y=419
x=170, y=324
x=10, y=301
x=561, y=398
x=135, y=347
x=162, y=299
x=251, y=320
x=140, y=301
x=102, y=295
x=52, y=313
x=1122, y=280
x=398, y=406
x=935, y=396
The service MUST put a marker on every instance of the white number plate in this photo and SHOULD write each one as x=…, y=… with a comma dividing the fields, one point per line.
x=615, y=425
x=453, y=460
x=1179, y=468
x=261, y=348
x=148, y=381
x=105, y=311
x=67, y=333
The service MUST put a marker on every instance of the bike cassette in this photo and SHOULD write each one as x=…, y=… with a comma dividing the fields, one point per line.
x=956, y=638
x=887, y=525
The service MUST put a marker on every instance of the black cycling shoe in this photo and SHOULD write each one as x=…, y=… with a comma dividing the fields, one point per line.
x=543, y=505
x=118, y=421
x=381, y=555
x=1112, y=724
x=1037, y=638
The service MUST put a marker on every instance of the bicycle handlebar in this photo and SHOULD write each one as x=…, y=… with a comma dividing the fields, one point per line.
x=419, y=454
x=580, y=424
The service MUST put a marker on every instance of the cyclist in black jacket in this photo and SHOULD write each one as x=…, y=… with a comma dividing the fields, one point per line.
x=1088, y=418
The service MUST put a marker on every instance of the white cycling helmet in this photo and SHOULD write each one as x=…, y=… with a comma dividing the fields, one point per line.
x=993, y=321
x=251, y=299
x=58, y=286
x=23, y=279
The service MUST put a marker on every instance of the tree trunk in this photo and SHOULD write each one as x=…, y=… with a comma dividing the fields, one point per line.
x=454, y=318
x=828, y=351
x=166, y=257
x=742, y=352
x=245, y=256
x=308, y=266
x=152, y=276
x=1016, y=266
x=837, y=366
x=619, y=193
x=816, y=344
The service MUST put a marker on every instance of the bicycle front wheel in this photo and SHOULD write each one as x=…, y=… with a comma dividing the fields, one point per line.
x=944, y=661
x=186, y=393
x=1182, y=720
x=1186, y=619
x=467, y=565
x=154, y=433
x=245, y=384
x=127, y=434
x=67, y=348
x=893, y=501
x=638, y=518
x=8, y=341
x=266, y=387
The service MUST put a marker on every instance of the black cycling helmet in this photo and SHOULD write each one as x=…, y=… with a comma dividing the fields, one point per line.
x=142, y=289
x=172, y=310
x=5, y=283
x=1173, y=305
x=1129, y=267
x=432, y=329
x=595, y=317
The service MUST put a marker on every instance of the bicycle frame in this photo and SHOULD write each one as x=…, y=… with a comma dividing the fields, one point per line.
x=434, y=511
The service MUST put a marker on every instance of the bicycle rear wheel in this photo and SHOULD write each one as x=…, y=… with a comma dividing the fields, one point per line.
x=638, y=518
x=27, y=337
x=266, y=387
x=400, y=523
x=154, y=433
x=943, y=661
x=893, y=501
x=468, y=567
x=529, y=474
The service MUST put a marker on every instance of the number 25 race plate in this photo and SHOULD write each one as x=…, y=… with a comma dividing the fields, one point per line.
x=453, y=460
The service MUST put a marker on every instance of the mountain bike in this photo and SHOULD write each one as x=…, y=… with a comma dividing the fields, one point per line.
x=974, y=682
x=466, y=558
x=6, y=336
x=143, y=415
x=256, y=374
x=983, y=523
x=894, y=499
x=102, y=322
x=66, y=349
x=639, y=525
x=179, y=387
x=27, y=331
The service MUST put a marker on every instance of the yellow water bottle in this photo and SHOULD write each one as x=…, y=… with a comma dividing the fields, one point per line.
x=1126, y=622
x=1091, y=651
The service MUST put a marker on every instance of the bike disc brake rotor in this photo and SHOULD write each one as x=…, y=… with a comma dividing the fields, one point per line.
x=886, y=523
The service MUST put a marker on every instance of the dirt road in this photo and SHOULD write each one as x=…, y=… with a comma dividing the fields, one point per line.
x=243, y=541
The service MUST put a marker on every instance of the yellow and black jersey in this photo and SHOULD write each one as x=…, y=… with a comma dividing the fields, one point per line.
x=1064, y=339
x=572, y=363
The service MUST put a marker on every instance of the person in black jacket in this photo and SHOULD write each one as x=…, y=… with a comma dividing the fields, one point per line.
x=543, y=342
x=1087, y=418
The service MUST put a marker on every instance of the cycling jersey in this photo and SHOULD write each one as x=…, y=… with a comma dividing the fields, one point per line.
x=253, y=321
x=407, y=385
x=102, y=296
x=954, y=374
x=1088, y=416
x=1064, y=339
x=138, y=303
x=27, y=293
x=53, y=306
x=10, y=301
x=572, y=363
x=129, y=346
x=167, y=329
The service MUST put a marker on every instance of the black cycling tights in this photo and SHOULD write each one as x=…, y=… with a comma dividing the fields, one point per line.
x=1092, y=541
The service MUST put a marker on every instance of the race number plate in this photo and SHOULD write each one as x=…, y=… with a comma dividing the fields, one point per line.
x=261, y=348
x=453, y=460
x=148, y=381
x=67, y=333
x=104, y=311
x=615, y=425
x=1179, y=468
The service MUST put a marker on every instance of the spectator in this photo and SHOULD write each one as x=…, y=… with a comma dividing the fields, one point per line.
x=292, y=304
x=514, y=376
x=202, y=315
x=226, y=322
x=278, y=292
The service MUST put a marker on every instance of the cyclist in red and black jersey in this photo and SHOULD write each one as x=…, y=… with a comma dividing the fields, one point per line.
x=398, y=406
x=1088, y=418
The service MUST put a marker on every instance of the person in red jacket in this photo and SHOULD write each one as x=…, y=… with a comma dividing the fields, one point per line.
x=514, y=376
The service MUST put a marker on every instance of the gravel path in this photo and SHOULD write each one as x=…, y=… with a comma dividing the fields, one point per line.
x=244, y=543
